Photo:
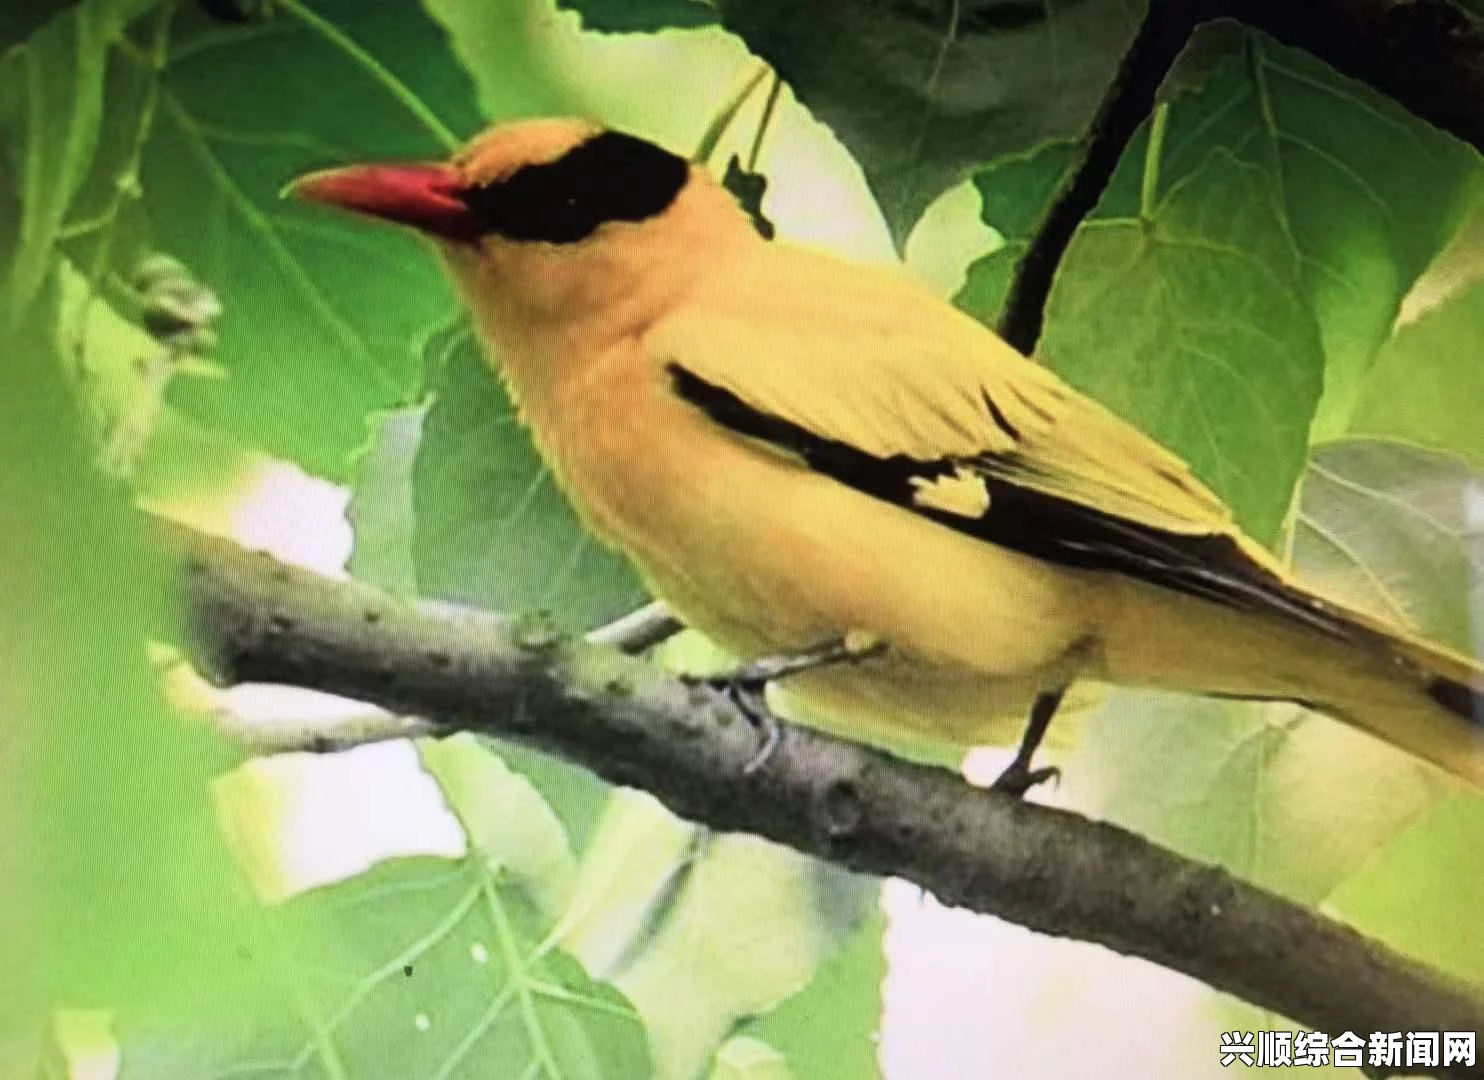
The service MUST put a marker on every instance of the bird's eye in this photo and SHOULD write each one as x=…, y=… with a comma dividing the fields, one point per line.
x=611, y=177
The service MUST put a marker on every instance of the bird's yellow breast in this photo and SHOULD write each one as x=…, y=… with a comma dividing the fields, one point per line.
x=766, y=557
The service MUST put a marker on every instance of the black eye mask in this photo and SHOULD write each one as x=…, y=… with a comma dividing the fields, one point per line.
x=611, y=177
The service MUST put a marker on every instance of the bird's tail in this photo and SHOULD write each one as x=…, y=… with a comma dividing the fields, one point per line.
x=1421, y=697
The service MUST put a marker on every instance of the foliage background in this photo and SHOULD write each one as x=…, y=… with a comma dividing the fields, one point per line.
x=1281, y=283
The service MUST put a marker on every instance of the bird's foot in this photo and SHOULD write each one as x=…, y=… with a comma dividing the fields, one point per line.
x=746, y=687
x=751, y=701
x=1019, y=777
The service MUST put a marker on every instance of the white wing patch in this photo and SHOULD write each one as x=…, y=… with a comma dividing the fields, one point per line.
x=962, y=492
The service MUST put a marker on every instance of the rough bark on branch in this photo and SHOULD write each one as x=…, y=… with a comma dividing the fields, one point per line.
x=249, y=618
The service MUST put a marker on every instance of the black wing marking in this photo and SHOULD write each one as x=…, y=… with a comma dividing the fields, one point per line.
x=1043, y=526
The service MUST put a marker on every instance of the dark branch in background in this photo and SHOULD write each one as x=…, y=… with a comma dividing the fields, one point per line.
x=1130, y=98
x=252, y=619
x=1427, y=55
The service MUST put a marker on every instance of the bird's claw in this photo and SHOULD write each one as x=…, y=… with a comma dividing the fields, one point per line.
x=751, y=701
x=1018, y=778
x=746, y=690
x=746, y=687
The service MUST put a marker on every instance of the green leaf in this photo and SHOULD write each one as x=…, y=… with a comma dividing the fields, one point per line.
x=1253, y=788
x=627, y=17
x=748, y=925
x=325, y=315
x=906, y=88
x=424, y=968
x=498, y=43
x=417, y=966
x=126, y=896
x=507, y=821
x=1410, y=895
x=1257, y=788
x=1364, y=194
x=745, y=1058
x=1188, y=323
x=1392, y=530
x=1413, y=894
x=104, y=232
x=639, y=856
x=1014, y=192
x=20, y=19
x=103, y=355
x=1369, y=193
x=55, y=106
x=1427, y=384
x=703, y=931
x=829, y=1030
x=492, y=528
x=380, y=509
x=574, y=794
x=471, y=439
x=1260, y=789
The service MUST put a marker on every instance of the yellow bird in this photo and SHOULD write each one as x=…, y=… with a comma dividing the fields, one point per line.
x=794, y=449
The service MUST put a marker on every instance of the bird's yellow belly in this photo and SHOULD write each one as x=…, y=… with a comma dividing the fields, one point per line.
x=767, y=558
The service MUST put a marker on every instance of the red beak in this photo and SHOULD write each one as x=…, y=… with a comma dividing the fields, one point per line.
x=424, y=196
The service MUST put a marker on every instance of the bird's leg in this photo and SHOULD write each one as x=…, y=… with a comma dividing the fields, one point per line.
x=1019, y=777
x=846, y=649
x=746, y=686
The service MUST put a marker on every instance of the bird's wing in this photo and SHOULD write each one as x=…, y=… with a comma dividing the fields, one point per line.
x=913, y=404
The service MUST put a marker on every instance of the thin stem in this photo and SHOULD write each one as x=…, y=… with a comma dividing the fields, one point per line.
x=762, y=124
x=126, y=183
x=724, y=117
x=1149, y=190
x=393, y=85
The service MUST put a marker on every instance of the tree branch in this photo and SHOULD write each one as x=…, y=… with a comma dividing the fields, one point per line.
x=251, y=618
x=1427, y=55
x=638, y=630
x=1166, y=28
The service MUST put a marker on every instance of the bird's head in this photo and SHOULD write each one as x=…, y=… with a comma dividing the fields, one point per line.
x=552, y=219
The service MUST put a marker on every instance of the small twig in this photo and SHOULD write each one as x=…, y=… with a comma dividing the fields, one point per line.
x=251, y=618
x=711, y=137
x=763, y=122
x=639, y=631
x=321, y=735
